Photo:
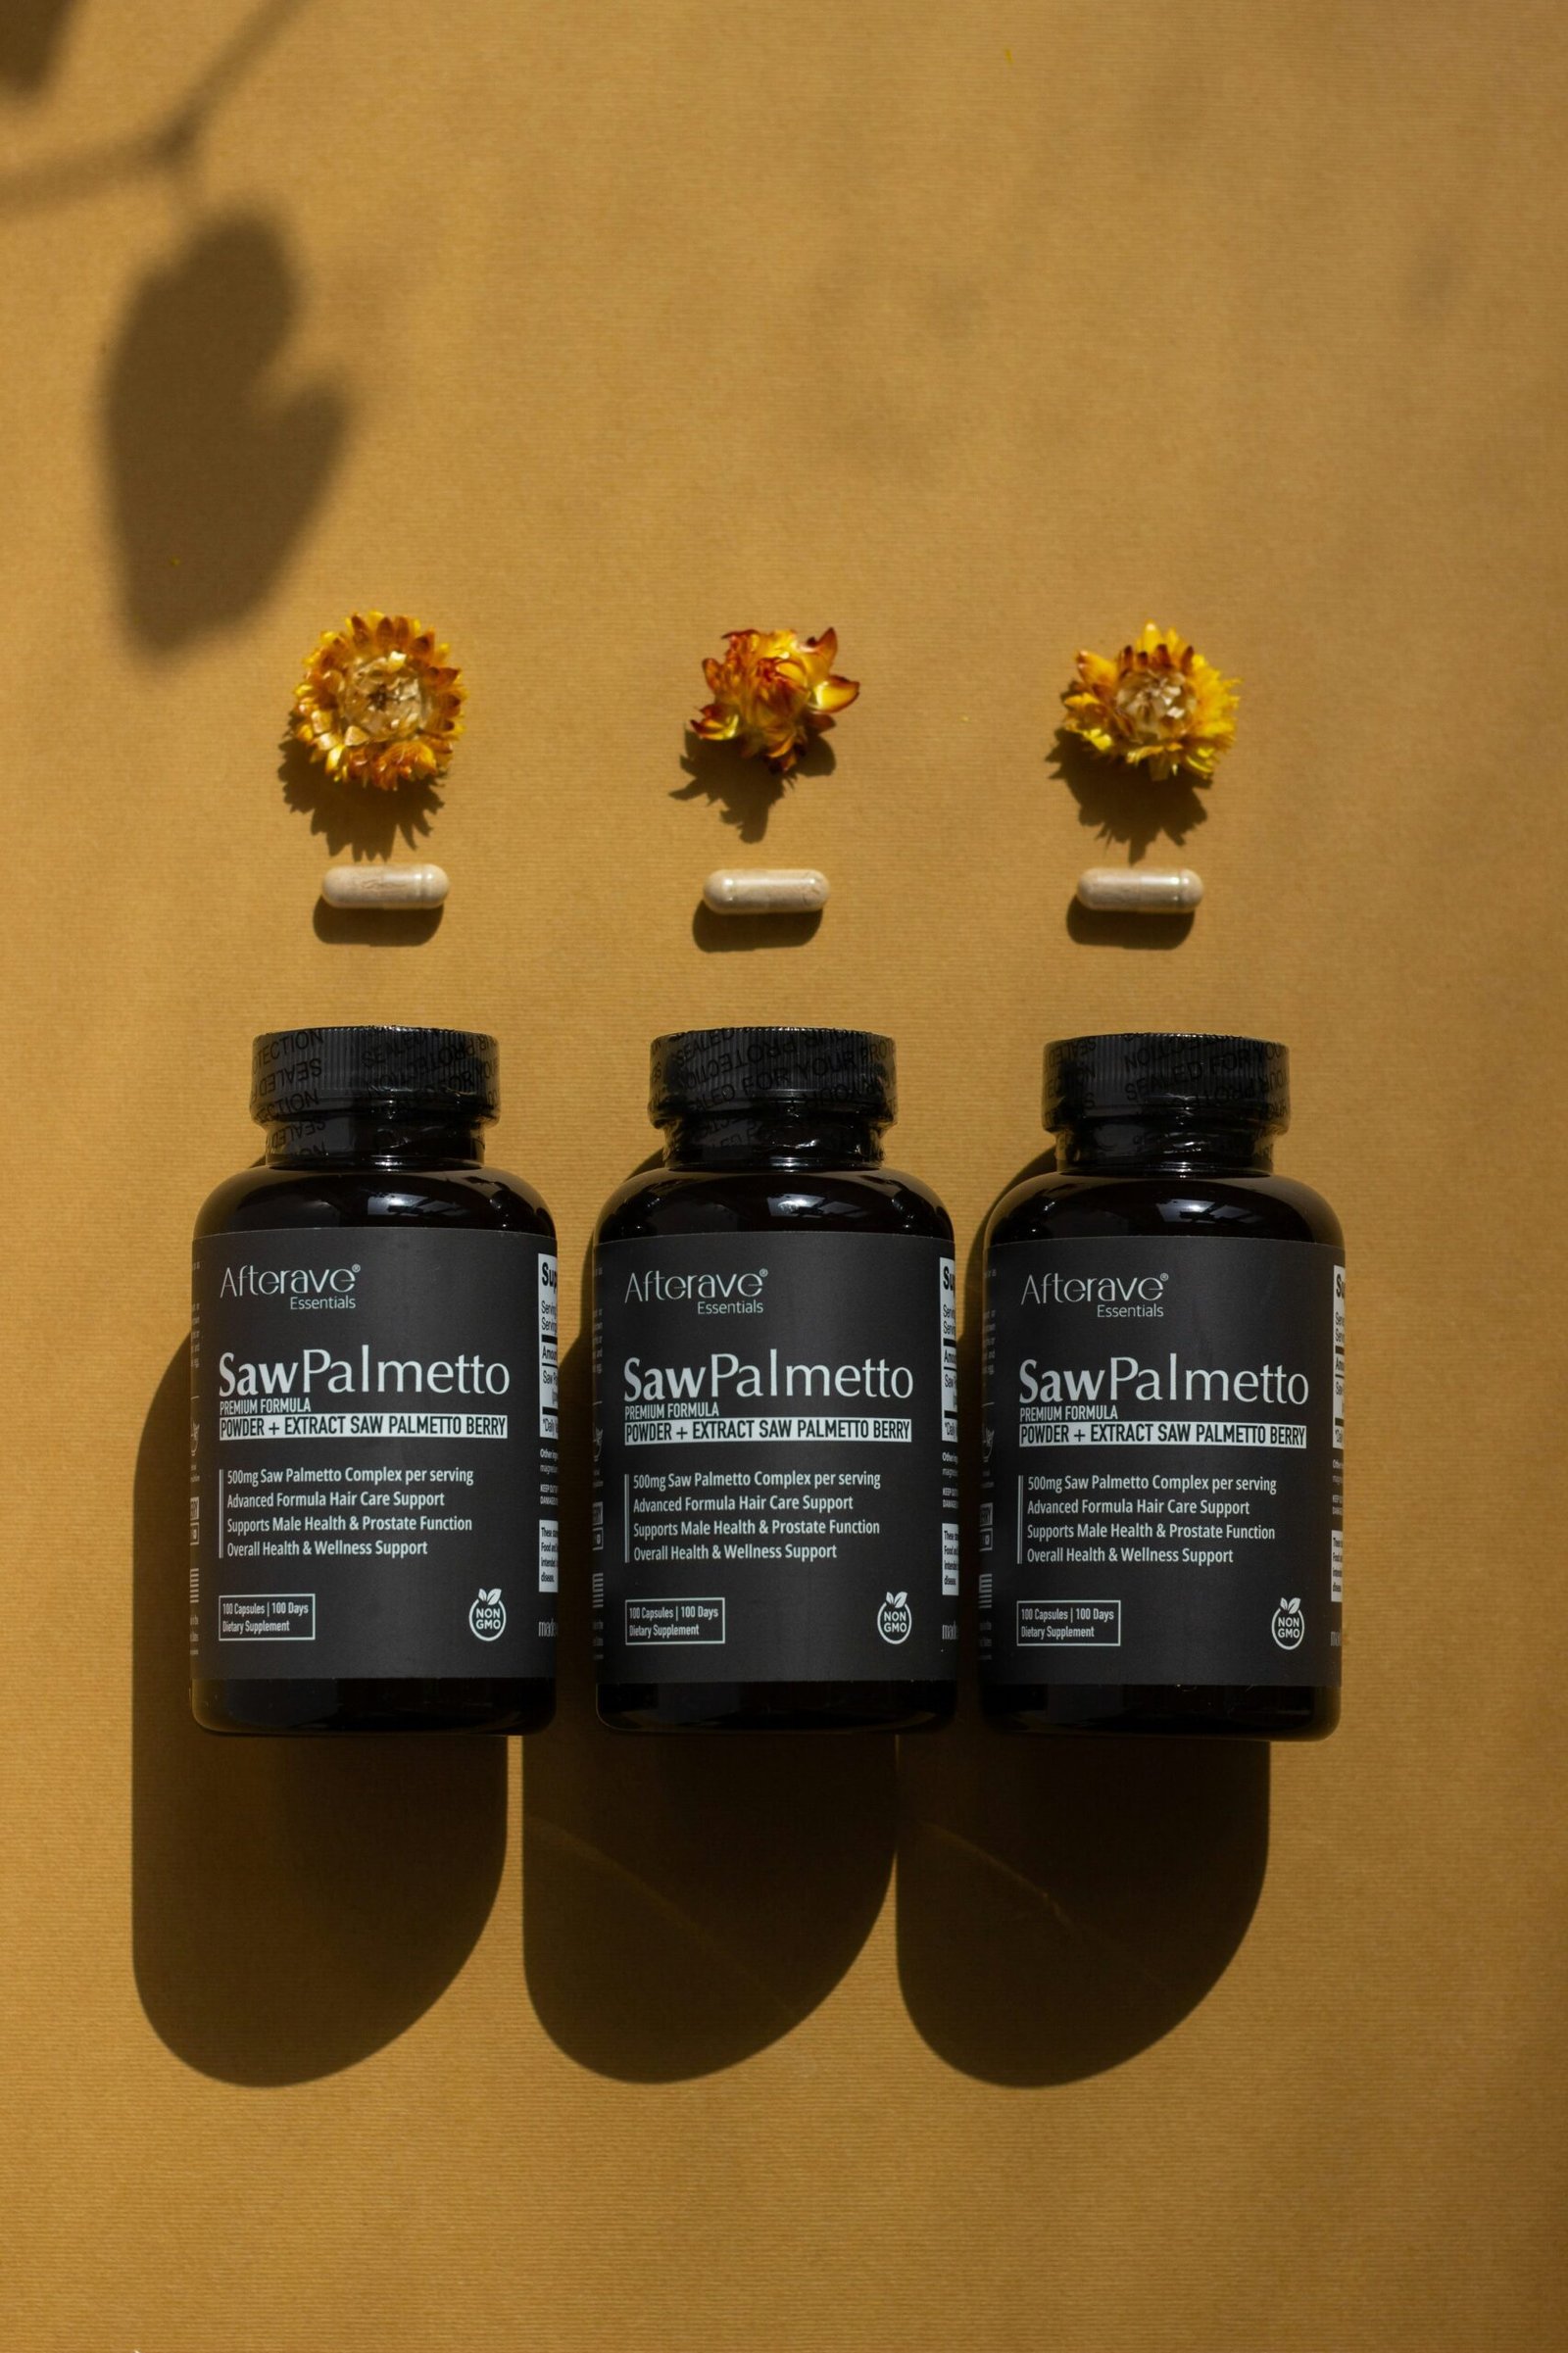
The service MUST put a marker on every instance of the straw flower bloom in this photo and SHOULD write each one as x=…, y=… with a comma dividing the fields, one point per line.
x=381, y=703
x=772, y=692
x=1159, y=704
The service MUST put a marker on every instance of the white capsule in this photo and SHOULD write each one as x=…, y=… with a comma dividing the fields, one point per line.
x=1140, y=890
x=384, y=886
x=765, y=891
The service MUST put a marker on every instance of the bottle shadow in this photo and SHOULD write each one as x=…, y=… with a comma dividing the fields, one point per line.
x=687, y=1901
x=1123, y=805
x=31, y=32
x=745, y=791
x=296, y=1904
x=1063, y=1903
x=213, y=471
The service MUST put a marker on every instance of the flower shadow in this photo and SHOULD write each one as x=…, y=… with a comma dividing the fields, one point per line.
x=1122, y=803
x=745, y=791
x=354, y=816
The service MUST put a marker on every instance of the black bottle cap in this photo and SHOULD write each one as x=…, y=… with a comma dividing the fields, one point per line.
x=1157, y=1071
x=296, y=1073
x=723, y=1070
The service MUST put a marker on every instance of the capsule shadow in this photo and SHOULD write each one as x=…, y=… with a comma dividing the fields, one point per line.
x=718, y=934
x=376, y=927
x=1107, y=927
x=296, y=1904
x=687, y=1898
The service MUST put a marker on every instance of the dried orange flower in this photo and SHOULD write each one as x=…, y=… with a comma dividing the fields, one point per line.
x=1157, y=704
x=772, y=692
x=379, y=702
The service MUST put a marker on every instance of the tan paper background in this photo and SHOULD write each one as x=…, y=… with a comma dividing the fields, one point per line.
x=587, y=329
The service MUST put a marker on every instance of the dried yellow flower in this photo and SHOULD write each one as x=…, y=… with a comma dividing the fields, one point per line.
x=379, y=702
x=772, y=692
x=1159, y=704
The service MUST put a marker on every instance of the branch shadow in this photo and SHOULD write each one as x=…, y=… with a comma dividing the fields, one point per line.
x=354, y=816
x=1062, y=1904
x=296, y=1904
x=213, y=473
x=31, y=32
x=745, y=791
x=1120, y=803
x=687, y=1900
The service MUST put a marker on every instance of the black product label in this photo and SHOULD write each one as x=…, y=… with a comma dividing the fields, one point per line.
x=373, y=1454
x=1164, y=1462
x=776, y=1459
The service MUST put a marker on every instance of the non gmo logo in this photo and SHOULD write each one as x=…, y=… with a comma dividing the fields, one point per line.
x=894, y=1619
x=1290, y=1627
x=487, y=1618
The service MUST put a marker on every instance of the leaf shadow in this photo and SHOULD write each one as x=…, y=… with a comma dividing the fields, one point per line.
x=1120, y=803
x=215, y=463
x=744, y=791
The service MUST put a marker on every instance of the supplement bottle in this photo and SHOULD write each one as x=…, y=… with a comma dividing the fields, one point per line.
x=1163, y=1412
x=373, y=1465
x=775, y=1537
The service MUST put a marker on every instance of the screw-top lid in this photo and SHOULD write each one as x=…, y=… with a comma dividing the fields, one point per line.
x=715, y=1069
x=297, y=1073
x=1157, y=1071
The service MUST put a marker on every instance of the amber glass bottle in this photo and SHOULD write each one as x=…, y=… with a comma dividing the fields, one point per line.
x=1163, y=1413
x=775, y=1525
x=373, y=1403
